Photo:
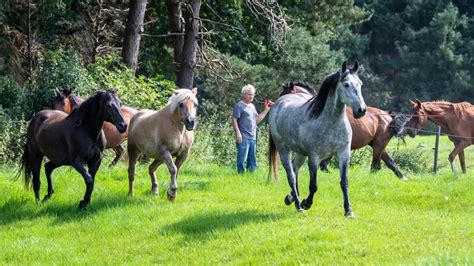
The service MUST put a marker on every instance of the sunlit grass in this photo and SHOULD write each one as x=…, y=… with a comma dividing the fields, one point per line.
x=221, y=217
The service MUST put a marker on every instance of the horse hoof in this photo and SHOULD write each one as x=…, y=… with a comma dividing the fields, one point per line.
x=46, y=198
x=300, y=209
x=289, y=199
x=171, y=195
x=83, y=205
x=404, y=178
x=305, y=205
x=350, y=214
x=154, y=191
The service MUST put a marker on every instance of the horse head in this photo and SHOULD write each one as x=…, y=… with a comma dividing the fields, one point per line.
x=399, y=124
x=418, y=120
x=186, y=103
x=349, y=89
x=61, y=100
x=110, y=107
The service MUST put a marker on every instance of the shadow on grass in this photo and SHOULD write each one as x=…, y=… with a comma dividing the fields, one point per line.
x=204, y=226
x=22, y=209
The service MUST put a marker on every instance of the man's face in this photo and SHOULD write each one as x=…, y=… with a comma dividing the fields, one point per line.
x=248, y=96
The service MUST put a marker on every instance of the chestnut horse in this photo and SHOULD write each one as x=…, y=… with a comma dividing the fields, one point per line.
x=375, y=129
x=66, y=100
x=75, y=139
x=162, y=135
x=456, y=119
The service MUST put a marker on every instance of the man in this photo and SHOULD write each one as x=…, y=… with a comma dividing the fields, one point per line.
x=244, y=121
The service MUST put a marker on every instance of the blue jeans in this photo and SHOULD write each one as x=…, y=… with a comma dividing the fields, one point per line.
x=246, y=155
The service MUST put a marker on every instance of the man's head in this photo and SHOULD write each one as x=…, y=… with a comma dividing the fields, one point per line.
x=248, y=93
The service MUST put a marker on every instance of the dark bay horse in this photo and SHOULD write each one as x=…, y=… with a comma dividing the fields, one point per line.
x=162, y=135
x=75, y=139
x=375, y=129
x=456, y=119
x=66, y=100
x=316, y=127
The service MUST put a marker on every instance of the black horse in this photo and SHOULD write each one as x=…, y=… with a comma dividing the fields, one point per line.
x=75, y=139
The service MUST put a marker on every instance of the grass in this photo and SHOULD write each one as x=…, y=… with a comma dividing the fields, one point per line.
x=221, y=217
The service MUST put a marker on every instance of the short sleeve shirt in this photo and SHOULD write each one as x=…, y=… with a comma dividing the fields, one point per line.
x=246, y=116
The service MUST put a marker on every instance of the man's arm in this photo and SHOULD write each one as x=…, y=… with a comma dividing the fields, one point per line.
x=238, y=135
x=267, y=105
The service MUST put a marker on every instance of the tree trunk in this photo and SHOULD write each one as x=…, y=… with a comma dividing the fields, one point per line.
x=188, y=61
x=176, y=29
x=132, y=35
x=30, y=41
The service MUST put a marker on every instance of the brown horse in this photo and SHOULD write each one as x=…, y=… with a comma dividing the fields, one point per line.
x=375, y=129
x=456, y=119
x=75, y=139
x=66, y=100
x=162, y=135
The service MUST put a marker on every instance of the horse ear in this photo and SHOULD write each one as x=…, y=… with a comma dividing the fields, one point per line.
x=58, y=93
x=418, y=103
x=195, y=90
x=355, y=68
x=344, y=67
x=175, y=91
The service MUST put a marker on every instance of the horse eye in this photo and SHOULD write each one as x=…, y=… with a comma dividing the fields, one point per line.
x=181, y=105
x=346, y=85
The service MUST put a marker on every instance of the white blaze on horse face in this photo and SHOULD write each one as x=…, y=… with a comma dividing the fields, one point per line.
x=351, y=95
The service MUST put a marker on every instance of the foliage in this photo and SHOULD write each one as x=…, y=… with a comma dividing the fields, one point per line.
x=412, y=160
x=135, y=91
x=13, y=139
x=11, y=98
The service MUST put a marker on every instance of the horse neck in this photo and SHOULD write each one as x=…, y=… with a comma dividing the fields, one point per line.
x=174, y=117
x=93, y=119
x=334, y=108
x=435, y=117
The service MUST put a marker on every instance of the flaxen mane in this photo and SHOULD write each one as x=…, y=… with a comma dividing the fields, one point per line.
x=179, y=96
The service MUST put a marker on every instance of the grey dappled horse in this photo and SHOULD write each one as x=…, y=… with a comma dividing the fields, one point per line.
x=316, y=127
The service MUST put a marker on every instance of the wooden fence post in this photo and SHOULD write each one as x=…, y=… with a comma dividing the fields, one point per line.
x=435, y=166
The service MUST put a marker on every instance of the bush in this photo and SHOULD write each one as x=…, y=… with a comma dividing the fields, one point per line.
x=135, y=91
x=412, y=160
x=12, y=140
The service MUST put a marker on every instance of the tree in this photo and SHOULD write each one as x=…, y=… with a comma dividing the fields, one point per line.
x=132, y=34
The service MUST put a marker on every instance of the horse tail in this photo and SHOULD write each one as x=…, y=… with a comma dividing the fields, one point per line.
x=25, y=166
x=272, y=160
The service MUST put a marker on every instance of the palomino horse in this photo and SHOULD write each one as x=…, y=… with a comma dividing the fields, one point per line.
x=457, y=119
x=162, y=135
x=375, y=129
x=75, y=139
x=316, y=127
x=66, y=100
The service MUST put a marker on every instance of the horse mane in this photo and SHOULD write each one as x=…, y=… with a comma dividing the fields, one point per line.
x=179, y=96
x=328, y=87
x=75, y=100
x=288, y=87
x=459, y=109
x=87, y=106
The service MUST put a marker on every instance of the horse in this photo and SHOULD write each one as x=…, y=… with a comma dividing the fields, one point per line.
x=456, y=119
x=65, y=100
x=316, y=127
x=75, y=139
x=375, y=129
x=162, y=135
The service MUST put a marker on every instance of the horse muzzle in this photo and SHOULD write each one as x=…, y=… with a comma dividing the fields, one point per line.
x=360, y=112
x=189, y=124
x=121, y=127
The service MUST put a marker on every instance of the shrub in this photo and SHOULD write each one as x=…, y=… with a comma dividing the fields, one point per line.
x=413, y=160
x=12, y=140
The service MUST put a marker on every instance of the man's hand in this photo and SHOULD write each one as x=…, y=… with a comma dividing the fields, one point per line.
x=267, y=104
x=238, y=138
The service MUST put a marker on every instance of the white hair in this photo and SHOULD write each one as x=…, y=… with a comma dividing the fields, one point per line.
x=248, y=88
x=179, y=96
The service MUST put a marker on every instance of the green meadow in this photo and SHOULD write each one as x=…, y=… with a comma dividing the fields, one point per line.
x=221, y=217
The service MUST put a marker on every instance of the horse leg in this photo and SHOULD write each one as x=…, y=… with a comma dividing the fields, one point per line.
x=458, y=147
x=93, y=168
x=88, y=180
x=392, y=165
x=293, y=196
x=118, y=154
x=297, y=162
x=48, y=168
x=171, y=194
x=376, y=156
x=151, y=170
x=343, y=165
x=35, y=171
x=461, y=161
x=313, y=183
x=324, y=165
x=132, y=161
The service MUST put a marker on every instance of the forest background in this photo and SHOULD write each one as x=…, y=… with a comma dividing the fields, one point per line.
x=408, y=50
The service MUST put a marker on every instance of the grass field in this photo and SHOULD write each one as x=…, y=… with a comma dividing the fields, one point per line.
x=221, y=217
